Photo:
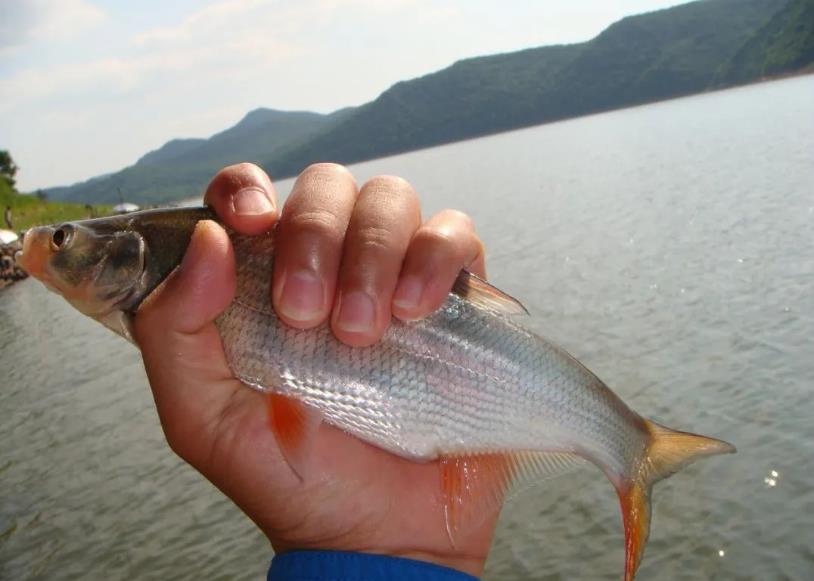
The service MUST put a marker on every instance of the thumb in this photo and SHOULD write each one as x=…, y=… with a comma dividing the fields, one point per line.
x=180, y=345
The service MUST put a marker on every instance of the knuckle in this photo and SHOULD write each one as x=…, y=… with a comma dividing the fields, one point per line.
x=231, y=178
x=374, y=239
x=327, y=169
x=389, y=184
x=320, y=222
x=244, y=167
x=454, y=245
x=391, y=198
x=442, y=243
x=437, y=238
x=480, y=250
x=219, y=186
x=237, y=174
x=458, y=217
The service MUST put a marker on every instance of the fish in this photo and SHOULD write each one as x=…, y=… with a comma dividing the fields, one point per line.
x=469, y=386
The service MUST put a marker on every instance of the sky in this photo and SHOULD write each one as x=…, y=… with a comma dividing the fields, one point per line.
x=87, y=87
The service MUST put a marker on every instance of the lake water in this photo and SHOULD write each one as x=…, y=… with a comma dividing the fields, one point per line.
x=670, y=247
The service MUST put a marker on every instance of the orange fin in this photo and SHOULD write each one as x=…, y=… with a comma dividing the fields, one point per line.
x=635, y=502
x=294, y=425
x=473, y=486
x=667, y=452
x=479, y=292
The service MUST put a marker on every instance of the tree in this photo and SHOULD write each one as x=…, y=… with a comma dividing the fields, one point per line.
x=8, y=169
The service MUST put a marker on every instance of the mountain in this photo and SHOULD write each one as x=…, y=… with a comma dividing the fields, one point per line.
x=636, y=60
x=181, y=168
x=686, y=49
x=784, y=44
x=169, y=150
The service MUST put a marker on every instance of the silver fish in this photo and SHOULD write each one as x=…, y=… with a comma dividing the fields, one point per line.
x=469, y=385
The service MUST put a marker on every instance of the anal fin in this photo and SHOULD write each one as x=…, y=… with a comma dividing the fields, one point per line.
x=474, y=486
x=294, y=424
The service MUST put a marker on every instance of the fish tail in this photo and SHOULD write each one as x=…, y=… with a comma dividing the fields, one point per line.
x=667, y=452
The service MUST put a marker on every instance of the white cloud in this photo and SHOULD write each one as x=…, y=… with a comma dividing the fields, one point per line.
x=27, y=20
x=268, y=18
x=228, y=40
x=66, y=19
x=189, y=53
x=217, y=18
x=89, y=92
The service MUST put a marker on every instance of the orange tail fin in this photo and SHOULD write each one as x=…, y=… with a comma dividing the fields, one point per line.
x=668, y=452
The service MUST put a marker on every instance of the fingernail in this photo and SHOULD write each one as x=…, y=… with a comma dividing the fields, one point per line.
x=251, y=202
x=302, y=297
x=356, y=312
x=408, y=293
x=195, y=252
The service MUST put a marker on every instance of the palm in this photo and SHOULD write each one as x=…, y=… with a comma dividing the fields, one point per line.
x=353, y=496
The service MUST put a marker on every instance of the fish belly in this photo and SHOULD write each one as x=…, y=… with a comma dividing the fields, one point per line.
x=463, y=380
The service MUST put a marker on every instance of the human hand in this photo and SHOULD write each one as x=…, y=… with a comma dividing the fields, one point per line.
x=348, y=256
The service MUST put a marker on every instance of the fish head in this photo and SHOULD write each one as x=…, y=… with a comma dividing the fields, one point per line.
x=98, y=270
x=106, y=267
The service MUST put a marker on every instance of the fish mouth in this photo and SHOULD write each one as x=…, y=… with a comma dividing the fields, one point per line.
x=33, y=258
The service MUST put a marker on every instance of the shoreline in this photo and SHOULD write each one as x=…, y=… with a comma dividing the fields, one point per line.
x=9, y=271
x=521, y=126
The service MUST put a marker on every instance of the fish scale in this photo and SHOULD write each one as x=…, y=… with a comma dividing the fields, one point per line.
x=468, y=385
x=465, y=379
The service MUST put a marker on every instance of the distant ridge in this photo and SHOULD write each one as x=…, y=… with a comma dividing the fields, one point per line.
x=181, y=168
x=784, y=44
x=169, y=151
x=682, y=50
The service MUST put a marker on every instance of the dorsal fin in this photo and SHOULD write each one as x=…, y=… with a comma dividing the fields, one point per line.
x=479, y=292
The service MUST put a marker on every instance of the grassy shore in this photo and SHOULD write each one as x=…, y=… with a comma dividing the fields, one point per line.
x=28, y=210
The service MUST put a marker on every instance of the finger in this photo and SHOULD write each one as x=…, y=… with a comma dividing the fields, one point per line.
x=243, y=198
x=440, y=249
x=384, y=219
x=182, y=352
x=309, y=244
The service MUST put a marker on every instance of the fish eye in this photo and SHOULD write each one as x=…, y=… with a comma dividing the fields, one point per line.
x=61, y=238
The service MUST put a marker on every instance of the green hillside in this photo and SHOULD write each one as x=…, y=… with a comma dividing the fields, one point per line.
x=636, y=60
x=659, y=55
x=28, y=210
x=784, y=44
x=170, y=150
x=682, y=50
x=183, y=167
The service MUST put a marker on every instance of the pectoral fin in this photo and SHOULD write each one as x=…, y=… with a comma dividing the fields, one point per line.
x=120, y=323
x=294, y=425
